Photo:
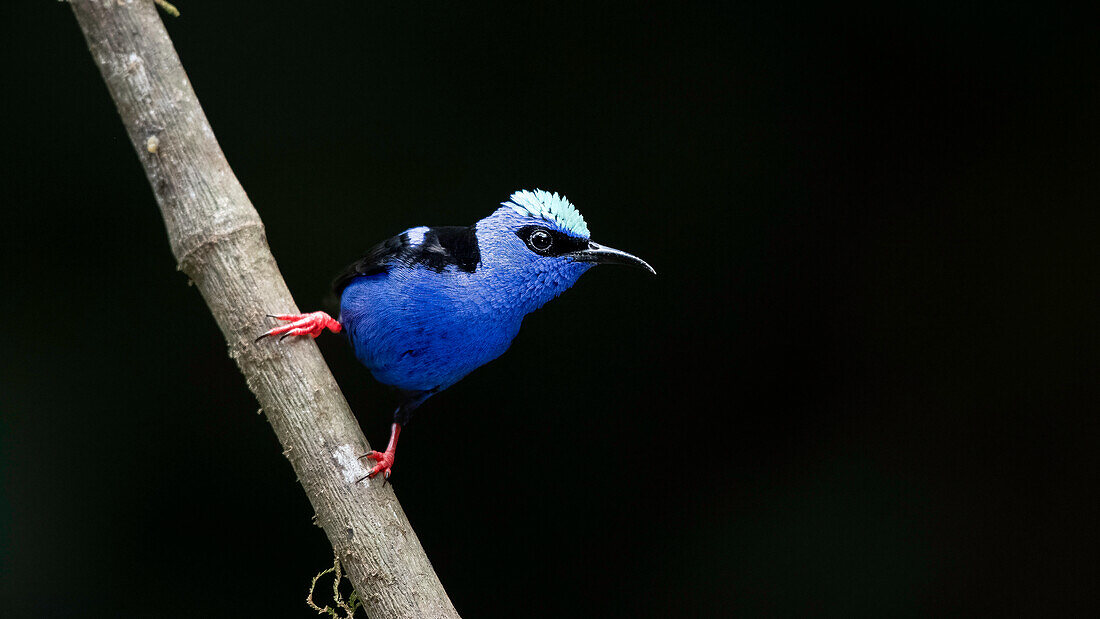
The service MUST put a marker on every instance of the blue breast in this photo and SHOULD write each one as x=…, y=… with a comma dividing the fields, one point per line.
x=418, y=331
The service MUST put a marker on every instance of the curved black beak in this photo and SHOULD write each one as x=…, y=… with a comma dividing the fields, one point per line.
x=605, y=255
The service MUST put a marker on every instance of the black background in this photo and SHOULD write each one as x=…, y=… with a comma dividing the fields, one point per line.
x=862, y=383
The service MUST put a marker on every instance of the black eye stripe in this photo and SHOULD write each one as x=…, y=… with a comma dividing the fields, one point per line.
x=560, y=243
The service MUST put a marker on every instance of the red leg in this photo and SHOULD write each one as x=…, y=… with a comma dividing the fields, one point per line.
x=311, y=324
x=384, y=459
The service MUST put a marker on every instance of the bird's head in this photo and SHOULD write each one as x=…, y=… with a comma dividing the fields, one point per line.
x=539, y=244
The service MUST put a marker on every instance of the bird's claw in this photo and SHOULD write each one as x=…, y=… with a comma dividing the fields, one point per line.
x=311, y=324
x=384, y=466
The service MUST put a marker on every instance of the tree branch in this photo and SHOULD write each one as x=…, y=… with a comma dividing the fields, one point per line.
x=218, y=240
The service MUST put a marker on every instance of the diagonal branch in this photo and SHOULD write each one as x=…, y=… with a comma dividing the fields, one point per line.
x=218, y=240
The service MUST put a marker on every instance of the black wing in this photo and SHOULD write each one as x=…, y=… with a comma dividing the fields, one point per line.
x=440, y=247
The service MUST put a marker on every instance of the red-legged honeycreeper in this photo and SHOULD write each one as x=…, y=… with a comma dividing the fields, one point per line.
x=430, y=305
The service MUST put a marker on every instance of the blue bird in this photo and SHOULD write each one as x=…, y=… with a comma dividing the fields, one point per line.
x=432, y=304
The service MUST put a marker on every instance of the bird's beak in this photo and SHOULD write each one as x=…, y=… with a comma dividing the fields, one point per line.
x=605, y=255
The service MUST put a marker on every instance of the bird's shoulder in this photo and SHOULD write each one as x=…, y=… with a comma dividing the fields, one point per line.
x=435, y=248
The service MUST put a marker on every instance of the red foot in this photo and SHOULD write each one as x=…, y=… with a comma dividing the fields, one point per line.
x=385, y=463
x=311, y=324
x=384, y=458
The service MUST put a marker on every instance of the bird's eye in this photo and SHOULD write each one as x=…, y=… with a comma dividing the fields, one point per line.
x=540, y=240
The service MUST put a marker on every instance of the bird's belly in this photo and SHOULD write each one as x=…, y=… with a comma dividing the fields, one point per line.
x=420, y=344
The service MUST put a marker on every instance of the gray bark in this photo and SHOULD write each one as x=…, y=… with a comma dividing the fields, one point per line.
x=218, y=240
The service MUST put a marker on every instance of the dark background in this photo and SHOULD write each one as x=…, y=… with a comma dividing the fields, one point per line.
x=862, y=383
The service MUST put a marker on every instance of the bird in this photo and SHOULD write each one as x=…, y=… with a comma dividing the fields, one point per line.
x=430, y=305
